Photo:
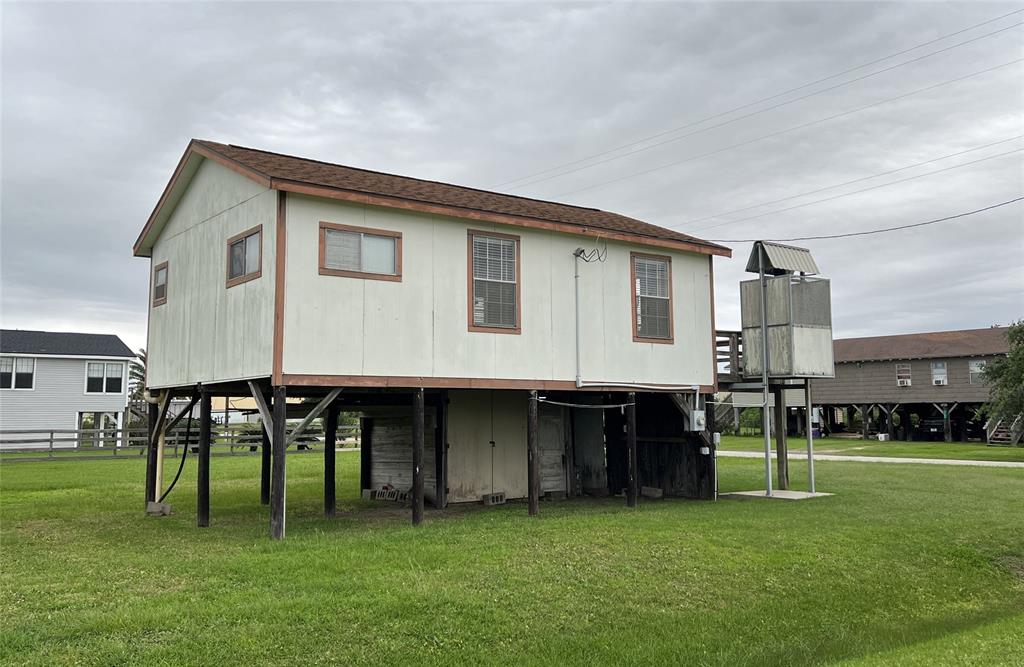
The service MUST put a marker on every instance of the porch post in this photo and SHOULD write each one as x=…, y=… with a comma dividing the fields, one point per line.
x=866, y=421
x=277, y=487
x=417, y=456
x=947, y=430
x=330, y=456
x=533, y=455
x=154, y=415
x=203, y=484
x=632, y=485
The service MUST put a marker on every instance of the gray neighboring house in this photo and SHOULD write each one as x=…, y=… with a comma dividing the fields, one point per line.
x=57, y=380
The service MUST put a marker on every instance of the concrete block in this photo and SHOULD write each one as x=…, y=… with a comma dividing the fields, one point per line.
x=497, y=498
x=158, y=509
x=651, y=492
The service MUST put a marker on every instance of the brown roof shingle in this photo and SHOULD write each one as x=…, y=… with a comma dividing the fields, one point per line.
x=278, y=167
x=933, y=345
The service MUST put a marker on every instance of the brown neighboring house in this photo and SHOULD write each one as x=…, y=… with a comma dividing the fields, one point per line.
x=914, y=386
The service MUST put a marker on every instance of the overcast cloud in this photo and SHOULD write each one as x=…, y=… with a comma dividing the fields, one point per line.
x=100, y=100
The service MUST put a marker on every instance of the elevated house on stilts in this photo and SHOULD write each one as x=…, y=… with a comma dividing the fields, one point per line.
x=494, y=346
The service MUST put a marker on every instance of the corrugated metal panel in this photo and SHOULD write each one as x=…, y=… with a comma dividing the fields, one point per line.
x=783, y=258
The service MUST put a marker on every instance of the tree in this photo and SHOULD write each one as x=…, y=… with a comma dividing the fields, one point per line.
x=137, y=375
x=1005, y=376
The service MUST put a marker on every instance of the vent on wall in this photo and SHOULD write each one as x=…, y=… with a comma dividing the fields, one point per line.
x=902, y=383
x=938, y=381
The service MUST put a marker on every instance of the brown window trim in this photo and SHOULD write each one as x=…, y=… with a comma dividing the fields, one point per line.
x=637, y=338
x=152, y=292
x=518, y=328
x=244, y=278
x=365, y=275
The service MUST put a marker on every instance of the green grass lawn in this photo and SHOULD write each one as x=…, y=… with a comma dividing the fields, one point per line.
x=848, y=447
x=906, y=565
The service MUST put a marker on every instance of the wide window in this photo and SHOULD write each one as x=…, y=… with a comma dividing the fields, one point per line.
x=104, y=378
x=245, y=256
x=976, y=367
x=652, y=298
x=358, y=252
x=903, y=375
x=939, y=372
x=494, y=283
x=17, y=372
x=160, y=284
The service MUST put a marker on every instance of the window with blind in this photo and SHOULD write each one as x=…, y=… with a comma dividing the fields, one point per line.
x=494, y=283
x=17, y=373
x=104, y=378
x=160, y=284
x=245, y=256
x=652, y=298
x=357, y=252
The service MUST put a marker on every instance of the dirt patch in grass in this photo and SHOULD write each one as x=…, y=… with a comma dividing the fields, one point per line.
x=1012, y=564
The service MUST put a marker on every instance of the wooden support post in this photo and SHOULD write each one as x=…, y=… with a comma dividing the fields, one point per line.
x=365, y=453
x=890, y=426
x=632, y=486
x=154, y=415
x=781, y=446
x=266, y=432
x=533, y=455
x=441, y=451
x=203, y=477
x=330, y=459
x=947, y=429
x=865, y=413
x=277, y=477
x=417, y=456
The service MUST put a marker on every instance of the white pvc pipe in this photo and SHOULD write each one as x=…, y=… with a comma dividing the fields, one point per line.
x=764, y=374
x=810, y=434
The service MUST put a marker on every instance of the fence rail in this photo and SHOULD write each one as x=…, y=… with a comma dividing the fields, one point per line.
x=52, y=444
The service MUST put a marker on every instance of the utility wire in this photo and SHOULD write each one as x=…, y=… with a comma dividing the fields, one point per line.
x=856, y=192
x=879, y=231
x=794, y=128
x=759, y=101
x=839, y=185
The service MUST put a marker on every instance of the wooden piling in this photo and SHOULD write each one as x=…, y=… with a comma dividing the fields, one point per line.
x=154, y=415
x=632, y=486
x=417, y=457
x=330, y=459
x=277, y=477
x=203, y=477
x=266, y=433
x=533, y=455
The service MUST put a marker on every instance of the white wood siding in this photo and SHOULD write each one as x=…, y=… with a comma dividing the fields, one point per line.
x=59, y=395
x=418, y=327
x=207, y=332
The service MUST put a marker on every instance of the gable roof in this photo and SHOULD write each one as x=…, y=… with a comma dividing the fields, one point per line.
x=934, y=345
x=20, y=341
x=294, y=174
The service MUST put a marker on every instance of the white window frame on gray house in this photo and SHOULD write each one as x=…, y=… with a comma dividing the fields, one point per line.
x=975, y=368
x=106, y=378
x=10, y=366
x=903, y=375
x=940, y=371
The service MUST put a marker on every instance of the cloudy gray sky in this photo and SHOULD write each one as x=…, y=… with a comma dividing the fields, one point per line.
x=99, y=101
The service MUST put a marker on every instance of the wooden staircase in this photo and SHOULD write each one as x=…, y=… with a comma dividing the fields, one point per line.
x=1004, y=432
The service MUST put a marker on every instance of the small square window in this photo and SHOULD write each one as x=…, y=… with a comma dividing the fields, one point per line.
x=939, y=376
x=976, y=368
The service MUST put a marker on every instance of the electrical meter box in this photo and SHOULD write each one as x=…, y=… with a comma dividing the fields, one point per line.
x=698, y=420
x=799, y=327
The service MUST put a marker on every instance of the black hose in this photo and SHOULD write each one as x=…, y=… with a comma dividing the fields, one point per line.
x=184, y=453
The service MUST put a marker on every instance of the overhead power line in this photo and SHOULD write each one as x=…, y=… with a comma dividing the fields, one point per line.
x=839, y=185
x=878, y=231
x=794, y=128
x=857, y=192
x=764, y=99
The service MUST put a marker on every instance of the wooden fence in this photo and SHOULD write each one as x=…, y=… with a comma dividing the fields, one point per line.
x=81, y=444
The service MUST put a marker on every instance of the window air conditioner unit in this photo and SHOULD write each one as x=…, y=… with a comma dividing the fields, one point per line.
x=938, y=382
x=902, y=383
